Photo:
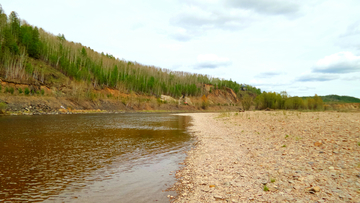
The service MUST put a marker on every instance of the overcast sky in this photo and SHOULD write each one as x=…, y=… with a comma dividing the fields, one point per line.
x=302, y=47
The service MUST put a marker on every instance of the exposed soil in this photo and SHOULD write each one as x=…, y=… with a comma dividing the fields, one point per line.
x=72, y=98
x=277, y=156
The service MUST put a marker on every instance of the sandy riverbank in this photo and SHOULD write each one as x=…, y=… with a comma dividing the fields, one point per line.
x=299, y=156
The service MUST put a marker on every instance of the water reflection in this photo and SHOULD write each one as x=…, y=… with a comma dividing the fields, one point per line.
x=43, y=157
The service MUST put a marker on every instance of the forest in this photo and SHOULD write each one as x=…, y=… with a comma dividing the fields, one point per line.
x=337, y=99
x=21, y=42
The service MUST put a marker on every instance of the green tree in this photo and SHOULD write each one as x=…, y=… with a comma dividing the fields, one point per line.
x=14, y=24
x=246, y=101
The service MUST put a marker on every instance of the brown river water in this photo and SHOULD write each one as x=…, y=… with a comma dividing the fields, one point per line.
x=91, y=158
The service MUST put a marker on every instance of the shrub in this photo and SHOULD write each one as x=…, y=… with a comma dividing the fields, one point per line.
x=246, y=101
x=0, y=88
x=27, y=92
x=3, y=106
x=11, y=90
x=42, y=91
x=205, y=103
x=20, y=91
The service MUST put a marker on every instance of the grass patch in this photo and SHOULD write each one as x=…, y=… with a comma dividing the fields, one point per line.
x=27, y=91
x=283, y=146
x=266, y=188
x=358, y=143
x=272, y=180
x=286, y=136
x=3, y=106
x=224, y=114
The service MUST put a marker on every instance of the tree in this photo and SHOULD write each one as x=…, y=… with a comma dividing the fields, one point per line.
x=9, y=42
x=83, y=52
x=246, y=101
x=14, y=24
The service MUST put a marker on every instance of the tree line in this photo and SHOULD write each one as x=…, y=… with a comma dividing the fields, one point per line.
x=282, y=100
x=21, y=41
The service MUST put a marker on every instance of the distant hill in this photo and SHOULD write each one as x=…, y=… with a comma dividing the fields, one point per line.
x=338, y=99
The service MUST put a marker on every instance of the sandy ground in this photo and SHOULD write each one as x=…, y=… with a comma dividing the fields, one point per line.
x=298, y=156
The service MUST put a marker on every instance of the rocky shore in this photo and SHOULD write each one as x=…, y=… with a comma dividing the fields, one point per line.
x=278, y=156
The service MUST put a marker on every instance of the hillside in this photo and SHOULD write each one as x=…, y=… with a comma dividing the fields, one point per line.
x=36, y=63
x=338, y=99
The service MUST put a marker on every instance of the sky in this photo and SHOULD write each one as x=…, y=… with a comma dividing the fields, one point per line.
x=303, y=47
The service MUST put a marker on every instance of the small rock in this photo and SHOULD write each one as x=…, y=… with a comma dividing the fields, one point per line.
x=205, y=190
x=318, y=144
x=218, y=197
x=331, y=168
x=273, y=188
x=296, y=177
x=314, y=189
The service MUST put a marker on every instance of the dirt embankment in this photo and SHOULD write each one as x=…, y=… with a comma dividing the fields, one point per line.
x=277, y=156
x=31, y=99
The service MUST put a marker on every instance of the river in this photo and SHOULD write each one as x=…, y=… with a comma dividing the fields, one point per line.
x=91, y=157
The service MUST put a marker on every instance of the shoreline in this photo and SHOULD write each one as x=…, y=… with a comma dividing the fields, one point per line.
x=43, y=105
x=272, y=157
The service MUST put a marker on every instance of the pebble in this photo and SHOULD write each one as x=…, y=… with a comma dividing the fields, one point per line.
x=218, y=197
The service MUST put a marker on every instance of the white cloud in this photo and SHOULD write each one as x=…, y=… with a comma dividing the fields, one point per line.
x=268, y=7
x=316, y=78
x=211, y=61
x=269, y=74
x=339, y=63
